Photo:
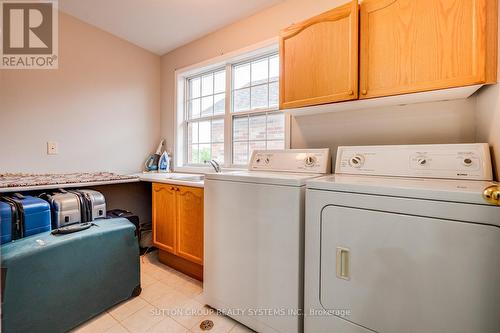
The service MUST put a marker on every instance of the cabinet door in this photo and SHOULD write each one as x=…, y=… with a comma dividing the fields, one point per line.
x=164, y=217
x=190, y=224
x=410, y=46
x=319, y=59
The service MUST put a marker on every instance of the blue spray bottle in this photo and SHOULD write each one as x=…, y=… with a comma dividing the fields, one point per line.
x=164, y=162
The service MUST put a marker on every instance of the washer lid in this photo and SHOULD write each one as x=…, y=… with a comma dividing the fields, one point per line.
x=263, y=177
x=467, y=191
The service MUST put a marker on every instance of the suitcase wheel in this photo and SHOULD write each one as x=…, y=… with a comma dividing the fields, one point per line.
x=137, y=291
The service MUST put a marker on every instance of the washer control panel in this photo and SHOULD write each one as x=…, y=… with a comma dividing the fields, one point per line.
x=453, y=161
x=292, y=160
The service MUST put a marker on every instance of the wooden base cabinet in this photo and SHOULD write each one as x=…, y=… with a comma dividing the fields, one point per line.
x=178, y=227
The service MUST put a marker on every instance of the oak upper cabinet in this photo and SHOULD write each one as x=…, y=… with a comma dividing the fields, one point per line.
x=409, y=46
x=319, y=59
x=190, y=224
x=164, y=217
x=178, y=221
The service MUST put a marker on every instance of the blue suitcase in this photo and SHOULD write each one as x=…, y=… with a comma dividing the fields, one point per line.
x=22, y=216
x=5, y=222
x=52, y=283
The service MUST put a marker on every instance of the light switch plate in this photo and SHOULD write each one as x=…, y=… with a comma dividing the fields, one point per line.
x=52, y=148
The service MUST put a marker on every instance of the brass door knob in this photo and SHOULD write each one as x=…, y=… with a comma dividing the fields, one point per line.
x=492, y=195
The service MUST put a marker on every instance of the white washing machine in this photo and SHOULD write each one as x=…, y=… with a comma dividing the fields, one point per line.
x=254, y=238
x=408, y=253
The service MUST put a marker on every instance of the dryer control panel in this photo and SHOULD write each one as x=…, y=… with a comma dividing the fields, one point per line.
x=451, y=161
x=291, y=160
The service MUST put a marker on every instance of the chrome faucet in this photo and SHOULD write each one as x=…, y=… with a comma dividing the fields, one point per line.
x=214, y=165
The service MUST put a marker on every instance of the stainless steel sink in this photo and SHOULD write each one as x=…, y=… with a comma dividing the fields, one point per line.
x=189, y=178
x=177, y=176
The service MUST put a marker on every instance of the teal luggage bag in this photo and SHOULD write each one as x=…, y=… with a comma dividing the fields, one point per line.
x=53, y=283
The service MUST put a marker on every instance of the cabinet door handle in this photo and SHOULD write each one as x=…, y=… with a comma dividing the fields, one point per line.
x=172, y=188
x=177, y=189
x=343, y=263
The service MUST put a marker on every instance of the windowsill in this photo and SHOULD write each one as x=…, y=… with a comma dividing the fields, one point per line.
x=203, y=169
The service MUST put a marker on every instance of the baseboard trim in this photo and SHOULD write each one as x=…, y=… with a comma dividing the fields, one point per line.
x=182, y=265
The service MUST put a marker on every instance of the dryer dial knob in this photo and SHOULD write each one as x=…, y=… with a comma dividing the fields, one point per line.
x=310, y=161
x=467, y=161
x=421, y=161
x=357, y=161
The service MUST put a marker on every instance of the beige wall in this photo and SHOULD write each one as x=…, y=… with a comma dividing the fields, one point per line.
x=134, y=197
x=488, y=118
x=488, y=122
x=426, y=123
x=102, y=106
x=443, y=122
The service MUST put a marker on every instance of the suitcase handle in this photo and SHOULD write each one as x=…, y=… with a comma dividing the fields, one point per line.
x=120, y=212
x=18, y=195
x=45, y=196
x=73, y=228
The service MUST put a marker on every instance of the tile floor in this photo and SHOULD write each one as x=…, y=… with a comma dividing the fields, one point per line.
x=170, y=302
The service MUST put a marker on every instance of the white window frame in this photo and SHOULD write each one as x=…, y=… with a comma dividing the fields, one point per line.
x=180, y=115
x=201, y=118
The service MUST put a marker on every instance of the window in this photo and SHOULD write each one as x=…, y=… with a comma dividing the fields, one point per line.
x=260, y=131
x=230, y=110
x=255, y=88
x=205, y=117
x=255, y=84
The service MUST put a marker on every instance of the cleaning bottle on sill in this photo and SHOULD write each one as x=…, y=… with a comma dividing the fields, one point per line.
x=164, y=162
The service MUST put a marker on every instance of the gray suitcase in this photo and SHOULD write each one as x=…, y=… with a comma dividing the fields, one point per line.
x=66, y=208
x=97, y=204
x=75, y=206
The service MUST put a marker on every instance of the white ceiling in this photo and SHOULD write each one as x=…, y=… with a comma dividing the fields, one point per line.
x=162, y=25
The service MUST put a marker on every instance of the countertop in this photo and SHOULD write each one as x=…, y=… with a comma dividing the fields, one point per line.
x=68, y=185
x=27, y=183
x=34, y=182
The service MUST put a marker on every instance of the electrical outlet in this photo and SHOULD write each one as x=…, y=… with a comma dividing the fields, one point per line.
x=52, y=148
